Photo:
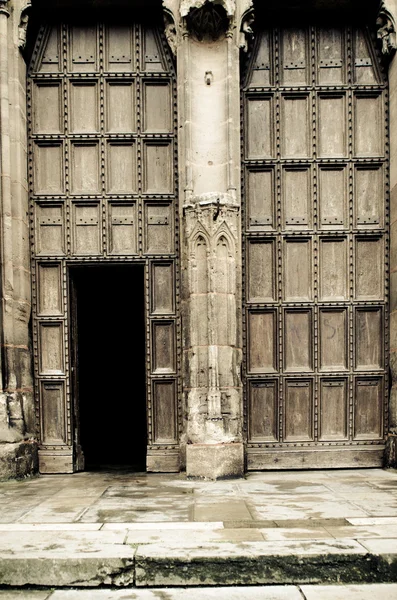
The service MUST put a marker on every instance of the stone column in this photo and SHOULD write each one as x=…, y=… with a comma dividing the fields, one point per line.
x=207, y=37
x=17, y=449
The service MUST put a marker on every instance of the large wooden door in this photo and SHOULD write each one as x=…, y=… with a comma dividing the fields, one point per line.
x=315, y=249
x=103, y=189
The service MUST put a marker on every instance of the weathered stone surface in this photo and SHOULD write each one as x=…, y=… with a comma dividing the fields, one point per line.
x=18, y=460
x=215, y=461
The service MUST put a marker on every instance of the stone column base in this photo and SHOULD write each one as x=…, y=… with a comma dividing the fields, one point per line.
x=18, y=460
x=391, y=451
x=214, y=461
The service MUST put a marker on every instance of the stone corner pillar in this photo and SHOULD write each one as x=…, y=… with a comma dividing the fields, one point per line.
x=207, y=37
x=18, y=448
x=386, y=26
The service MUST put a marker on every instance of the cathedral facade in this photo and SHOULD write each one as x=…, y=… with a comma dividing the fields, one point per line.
x=198, y=235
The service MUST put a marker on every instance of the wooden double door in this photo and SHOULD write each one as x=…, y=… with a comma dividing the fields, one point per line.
x=102, y=148
x=316, y=248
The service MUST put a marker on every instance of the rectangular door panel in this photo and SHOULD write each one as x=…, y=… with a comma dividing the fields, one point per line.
x=294, y=56
x=122, y=229
x=50, y=233
x=47, y=93
x=86, y=230
x=369, y=337
x=296, y=140
x=119, y=44
x=157, y=107
x=333, y=423
x=50, y=300
x=262, y=328
x=84, y=106
x=298, y=419
x=163, y=345
x=85, y=168
x=368, y=408
x=297, y=198
x=164, y=411
x=369, y=268
x=297, y=270
x=162, y=296
x=159, y=238
x=331, y=56
x=49, y=173
x=369, y=125
x=120, y=106
x=260, y=199
x=332, y=197
x=83, y=49
x=122, y=168
x=332, y=125
x=369, y=194
x=260, y=127
x=158, y=164
x=333, y=339
x=52, y=405
x=334, y=269
x=51, y=349
x=261, y=271
x=263, y=411
x=298, y=340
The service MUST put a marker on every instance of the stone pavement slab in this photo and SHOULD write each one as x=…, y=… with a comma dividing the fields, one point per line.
x=380, y=591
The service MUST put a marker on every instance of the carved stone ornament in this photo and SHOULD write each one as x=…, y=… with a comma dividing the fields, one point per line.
x=4, y=7
x=208, y=18
x=386, y=30
x=170, y=31
x=23, y=25
x=246, y=31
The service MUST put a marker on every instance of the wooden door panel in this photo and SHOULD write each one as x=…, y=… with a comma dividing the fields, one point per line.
x=52, y=405
x=333, y=193
x=331, y=56
x=83, y=49
x=261, y=271
x=260, y=199
x=120, y=106
x=85, y=170
x=163, y=293
x=119, y=49
x=316, y=247
x=262, y=327
x=164, y=412
x=49, y=172
x=333, y=410
x=122, y=221
x=84, y=106
x=51, y=343
x=50, y=298
x=297, y=198
x=369, y=192
x=157, y=162
x=87, y=229
x=298, y=419
x=157, y=107
x=263, y=411
x=47, y=93
x=333, y=269
x=122, y=168
x=50, y=231
x=163, y=345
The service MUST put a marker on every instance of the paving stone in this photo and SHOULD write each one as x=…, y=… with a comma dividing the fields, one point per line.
x=203, y=526
x=309, y=533
x=373, y=521
x=381, y=546
x=364, y=531
x=378, y=591
x=25, y=595
x=219, y=511
x=194, y=537
x=50, y=526
x=229, y=593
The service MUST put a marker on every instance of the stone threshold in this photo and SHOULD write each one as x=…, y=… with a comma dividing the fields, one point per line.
x=90, y=561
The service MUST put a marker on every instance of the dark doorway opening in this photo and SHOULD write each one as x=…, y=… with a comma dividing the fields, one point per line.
x=108, y=356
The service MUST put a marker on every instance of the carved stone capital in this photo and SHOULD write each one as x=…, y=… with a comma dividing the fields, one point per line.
x=208, y=18
x=386, y=30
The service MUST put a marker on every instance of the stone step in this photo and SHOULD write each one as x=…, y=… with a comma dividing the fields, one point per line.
x=110, y=558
